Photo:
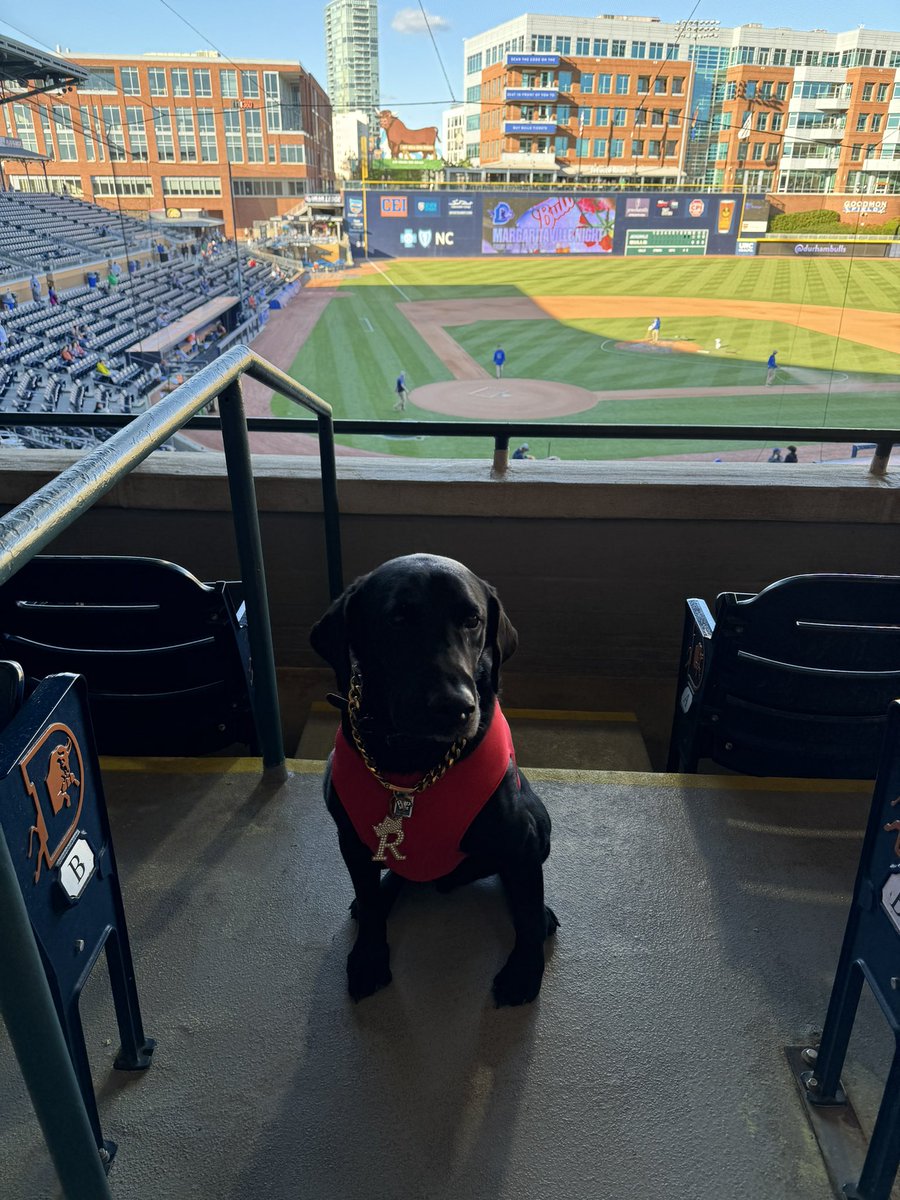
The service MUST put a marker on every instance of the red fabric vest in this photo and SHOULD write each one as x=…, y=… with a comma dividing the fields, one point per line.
x=441, y=814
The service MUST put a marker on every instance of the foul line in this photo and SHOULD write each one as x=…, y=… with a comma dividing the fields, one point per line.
x=391, y=282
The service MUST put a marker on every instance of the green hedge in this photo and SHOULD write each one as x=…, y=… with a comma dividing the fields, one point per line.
x=816, y=220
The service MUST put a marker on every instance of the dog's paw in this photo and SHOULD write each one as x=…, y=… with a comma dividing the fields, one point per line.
x=519, y=981
x=552, y=921
x=368, y=969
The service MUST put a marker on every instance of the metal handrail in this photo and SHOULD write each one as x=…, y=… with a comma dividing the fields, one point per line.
x=31, y=525
x=502, y=431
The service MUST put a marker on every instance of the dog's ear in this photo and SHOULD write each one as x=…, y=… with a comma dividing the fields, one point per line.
x=500, y=638
x=331, y=635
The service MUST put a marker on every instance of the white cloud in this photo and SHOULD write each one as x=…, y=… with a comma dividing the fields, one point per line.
x=411, y=20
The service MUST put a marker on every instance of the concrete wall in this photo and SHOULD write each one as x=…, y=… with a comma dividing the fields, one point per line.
x=593, y=561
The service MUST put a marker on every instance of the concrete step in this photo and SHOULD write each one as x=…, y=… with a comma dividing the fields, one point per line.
x=566, y=739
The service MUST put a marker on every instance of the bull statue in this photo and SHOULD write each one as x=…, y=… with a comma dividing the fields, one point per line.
x=403, y=142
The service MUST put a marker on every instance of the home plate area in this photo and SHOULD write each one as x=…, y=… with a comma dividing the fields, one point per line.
x=505, y=398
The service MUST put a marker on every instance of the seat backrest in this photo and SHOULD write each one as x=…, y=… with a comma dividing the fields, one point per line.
x=795, y=681
x=165, y=656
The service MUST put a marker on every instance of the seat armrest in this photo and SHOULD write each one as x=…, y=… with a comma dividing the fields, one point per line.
x=685, y=748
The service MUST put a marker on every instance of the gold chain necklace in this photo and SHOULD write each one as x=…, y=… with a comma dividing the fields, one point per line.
x=402, y=799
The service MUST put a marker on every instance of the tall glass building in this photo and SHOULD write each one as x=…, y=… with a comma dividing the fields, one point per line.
x=351, y=47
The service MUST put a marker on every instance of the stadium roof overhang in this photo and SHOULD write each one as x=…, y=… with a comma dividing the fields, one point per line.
x=35, y=71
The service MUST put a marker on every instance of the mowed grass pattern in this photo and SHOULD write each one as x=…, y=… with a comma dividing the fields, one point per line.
x=362, y=342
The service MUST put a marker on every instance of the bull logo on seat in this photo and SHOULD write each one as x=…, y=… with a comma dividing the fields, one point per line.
x=59, y=796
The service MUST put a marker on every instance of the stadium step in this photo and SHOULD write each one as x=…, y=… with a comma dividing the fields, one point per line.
x=552, y=738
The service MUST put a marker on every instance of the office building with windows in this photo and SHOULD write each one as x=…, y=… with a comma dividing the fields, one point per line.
x=241, y=141
x=636, y=99
x=351, y=52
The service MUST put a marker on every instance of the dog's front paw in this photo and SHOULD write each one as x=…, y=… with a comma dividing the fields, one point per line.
x=519, y=981
x=368, y=969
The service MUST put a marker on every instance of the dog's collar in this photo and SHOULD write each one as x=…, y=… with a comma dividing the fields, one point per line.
x=401, y=798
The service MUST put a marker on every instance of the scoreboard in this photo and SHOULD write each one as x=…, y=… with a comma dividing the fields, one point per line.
x=666, y=241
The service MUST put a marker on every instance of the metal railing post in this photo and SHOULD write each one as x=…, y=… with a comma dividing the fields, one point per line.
x=330, y=508
x=249, y=546
x=501, y=454
x=37, y=1038
x=880, y=459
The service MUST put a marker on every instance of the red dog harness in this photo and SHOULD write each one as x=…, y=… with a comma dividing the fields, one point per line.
x=426, y=845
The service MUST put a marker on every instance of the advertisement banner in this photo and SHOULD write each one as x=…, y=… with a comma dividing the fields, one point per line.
x=665, y=224
x=413, y=223
x=833, y=249
x=556, y=224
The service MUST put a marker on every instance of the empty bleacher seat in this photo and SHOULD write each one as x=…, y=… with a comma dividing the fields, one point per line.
x=794, y=681
x=165, y=656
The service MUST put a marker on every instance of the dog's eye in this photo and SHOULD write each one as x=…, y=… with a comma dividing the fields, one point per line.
x=472, y=621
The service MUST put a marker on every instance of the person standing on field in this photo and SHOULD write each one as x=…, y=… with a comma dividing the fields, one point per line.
x=499, y=360
x=653, y=329
x=791, y=455
x=771, y=369
x=402, y=394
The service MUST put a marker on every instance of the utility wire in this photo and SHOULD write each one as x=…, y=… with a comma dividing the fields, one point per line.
x=436, y=50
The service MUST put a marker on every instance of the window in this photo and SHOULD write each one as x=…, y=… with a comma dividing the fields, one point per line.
x=730, y=90
x=250, y=85
x=829, y=58
x=796, y=58
x=101, y=141
x=777, y=121
x=99, y=80
x=762, y=120
x=618, y=48
x=253, y=130
x=131, y=83
x=273, y=101
x=657, y=50
x=601, y=47
x=640, y=116
x=162, y=129
x=861, y=122
x=89, y=152
x=616, y=148
x=604, y=85
x=762, y=56
x=675, y=116
x=660, y=86
x=778, y=56
x=473, y=64
x=184, y=127
x=895, y=58
x=812, y=58
x=122, y=185
x=637, y=147
x=750, y=89
x=638, y=49
x=653, y=148
x=583, y=147
x=599, y=147
x=112, y=121
x=585, y=116
x=620, y=116
x=284, y=187
x=671, y=148
x=622, y=83
x=657, y=118
x=879, y=58
x=757, y=153
x=543, y=43
x=228, y=83
x=677, y=85
x=563, y=113
x=643, y=84
x=234, y=147
x=292, y=154
x=157, y=78
x=601, y=116
x=186, y=185
x=881, y=94
x=671, y=50
x=868, y=88
x=181, y=83
x=473, y=121
x=137, y=133
x=65, y=136
x=781, y=90
x=856, y=153
x=765, y=90
x=561, y=146
x=473, y=149
x=563, y=45
x=473, y=96
x=202, y=82
x=565, y=81
x=876, y=122
x=206, y=127
x=587, y=84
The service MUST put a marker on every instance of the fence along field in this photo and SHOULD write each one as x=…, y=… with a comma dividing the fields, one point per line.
x=583, y=323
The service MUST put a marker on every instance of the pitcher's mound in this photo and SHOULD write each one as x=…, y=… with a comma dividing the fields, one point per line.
x=502, y=399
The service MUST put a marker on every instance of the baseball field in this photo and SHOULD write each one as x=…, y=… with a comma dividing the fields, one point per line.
x=578, y=348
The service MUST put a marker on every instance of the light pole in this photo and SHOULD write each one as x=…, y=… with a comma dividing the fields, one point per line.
x=237, y=254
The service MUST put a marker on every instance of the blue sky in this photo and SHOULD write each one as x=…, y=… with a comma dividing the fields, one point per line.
x=411, y=78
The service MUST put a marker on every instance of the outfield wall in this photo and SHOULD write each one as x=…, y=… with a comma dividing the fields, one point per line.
x=412, y=223
x=800, y=247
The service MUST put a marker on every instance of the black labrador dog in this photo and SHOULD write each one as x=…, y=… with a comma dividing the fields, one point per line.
x=423, y=779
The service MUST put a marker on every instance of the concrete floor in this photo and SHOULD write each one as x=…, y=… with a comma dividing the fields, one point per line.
x=701, y=922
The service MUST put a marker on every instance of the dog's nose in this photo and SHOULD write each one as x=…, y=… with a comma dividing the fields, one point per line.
x=452, y=705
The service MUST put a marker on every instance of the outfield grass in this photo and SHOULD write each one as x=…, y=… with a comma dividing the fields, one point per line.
x=361, y=343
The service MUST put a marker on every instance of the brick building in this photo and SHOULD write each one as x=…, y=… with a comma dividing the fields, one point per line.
x=636, y=99
x=242, y=141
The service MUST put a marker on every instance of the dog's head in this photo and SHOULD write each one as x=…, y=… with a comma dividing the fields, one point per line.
x=428, y=636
